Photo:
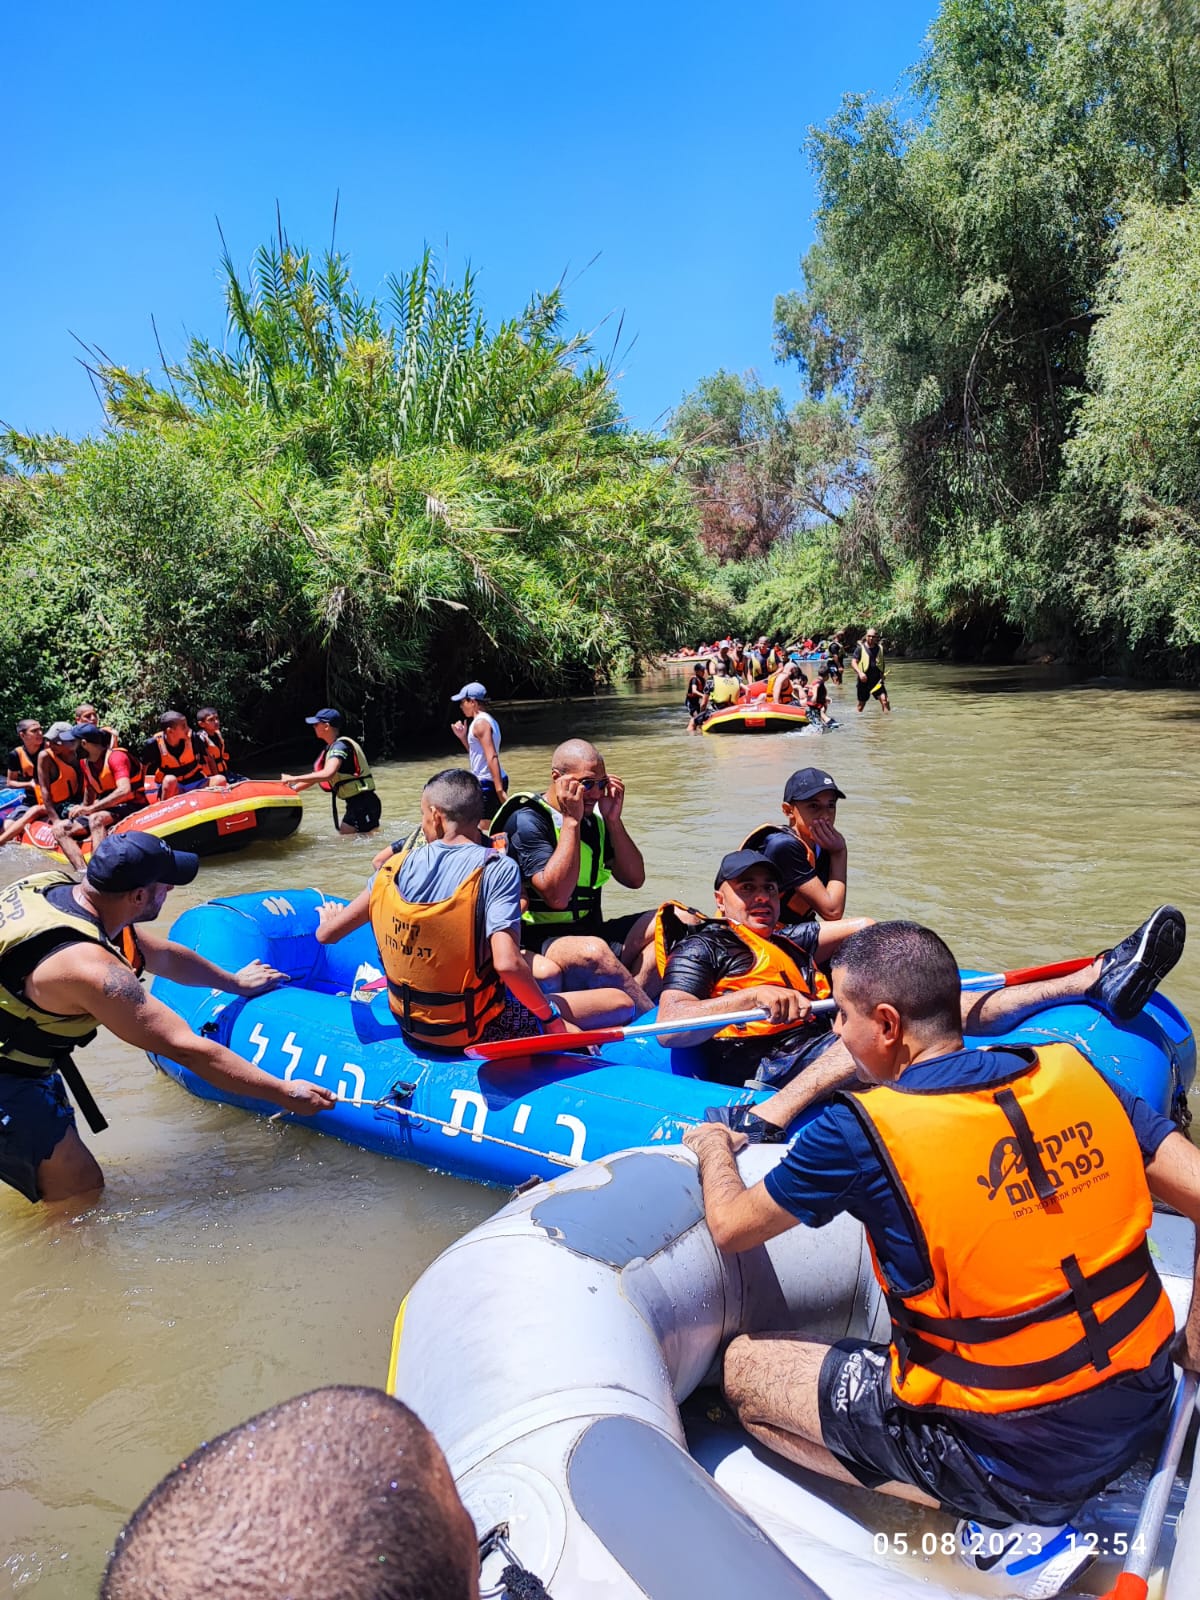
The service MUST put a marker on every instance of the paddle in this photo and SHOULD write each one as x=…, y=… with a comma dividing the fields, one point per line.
x=543, y=1043
x=1132, y=1583
x=1006, y=980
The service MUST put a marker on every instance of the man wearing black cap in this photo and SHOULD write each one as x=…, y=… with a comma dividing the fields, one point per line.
x=744, y=958
x=69, y=962
x=810, y=853
x=344, y=772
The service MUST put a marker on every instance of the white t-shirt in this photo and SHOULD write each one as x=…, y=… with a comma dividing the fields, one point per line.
x=475, y=752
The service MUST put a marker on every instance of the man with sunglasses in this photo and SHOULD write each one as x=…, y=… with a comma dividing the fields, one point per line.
x=568, y=842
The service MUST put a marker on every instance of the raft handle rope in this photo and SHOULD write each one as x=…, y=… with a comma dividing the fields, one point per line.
x=391, y=1101
x=516, y=1581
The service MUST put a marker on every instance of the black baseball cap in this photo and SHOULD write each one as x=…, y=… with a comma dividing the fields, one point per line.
x=739, y=861
x=327, y=715
x=127, y=861
x=806, y=783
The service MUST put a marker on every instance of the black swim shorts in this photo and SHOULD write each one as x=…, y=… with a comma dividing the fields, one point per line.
x=363, y=811
x=879, y=1441
x=35, y=1114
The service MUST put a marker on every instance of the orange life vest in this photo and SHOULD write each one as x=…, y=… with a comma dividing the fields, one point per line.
x=772, y=964
x=66, y=786
x=442, y=986
x=101, y=784
x=184, y=762
x=1029, y=1203
x=217, y=752
x=29, y=771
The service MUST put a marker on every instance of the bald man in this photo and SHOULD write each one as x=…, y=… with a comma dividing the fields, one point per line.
x=568, y=842
x=340, y=1494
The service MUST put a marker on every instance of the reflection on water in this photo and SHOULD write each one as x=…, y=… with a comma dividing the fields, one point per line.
x=232, y=1262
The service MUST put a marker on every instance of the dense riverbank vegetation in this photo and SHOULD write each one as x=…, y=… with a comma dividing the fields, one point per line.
x=348, y=501
x=368, y=500
x=998, y=333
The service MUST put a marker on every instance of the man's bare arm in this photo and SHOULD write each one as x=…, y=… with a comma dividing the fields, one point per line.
x=738, y=1218
x=83, y=979
x=337, y=921
x=1174, y=1176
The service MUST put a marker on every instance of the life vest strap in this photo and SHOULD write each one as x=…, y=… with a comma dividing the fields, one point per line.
x=406, y=993
x=82, y=1095
x=956, y=1369
x=1082, y=1291
x=27, y=1033
x=1026, y=1144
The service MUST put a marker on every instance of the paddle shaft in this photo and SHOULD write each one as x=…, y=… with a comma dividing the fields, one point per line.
x=567, y=1043
x=1132, y=1583
x=1006, y=980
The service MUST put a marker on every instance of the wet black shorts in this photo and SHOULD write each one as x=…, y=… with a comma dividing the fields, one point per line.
x=614, y=932
x=363, y=811
x=879, y=1441
x=864, y=691
x=34, y=1116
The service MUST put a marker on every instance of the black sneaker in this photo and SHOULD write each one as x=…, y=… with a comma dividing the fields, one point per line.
x=1132, y=970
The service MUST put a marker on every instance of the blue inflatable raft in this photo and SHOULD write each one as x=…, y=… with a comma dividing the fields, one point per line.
x=505, y=1122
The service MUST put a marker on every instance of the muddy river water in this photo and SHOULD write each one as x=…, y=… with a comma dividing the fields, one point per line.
x=232, y=1262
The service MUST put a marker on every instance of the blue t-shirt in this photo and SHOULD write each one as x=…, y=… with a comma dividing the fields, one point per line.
x=832, y=1167
x=436, y=871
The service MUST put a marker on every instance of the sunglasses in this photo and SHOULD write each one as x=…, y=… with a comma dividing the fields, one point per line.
x=587, y=784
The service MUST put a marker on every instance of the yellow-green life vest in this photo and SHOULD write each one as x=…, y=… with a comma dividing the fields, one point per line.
x=346, y=785
x=584, y=904
x=33, y=1042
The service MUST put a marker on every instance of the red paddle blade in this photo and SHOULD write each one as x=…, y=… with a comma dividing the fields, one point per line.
x=1056, y=969
x=541, y=1044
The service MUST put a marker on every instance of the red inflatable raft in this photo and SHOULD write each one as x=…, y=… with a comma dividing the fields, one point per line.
x=757, y=716
x=208, y=821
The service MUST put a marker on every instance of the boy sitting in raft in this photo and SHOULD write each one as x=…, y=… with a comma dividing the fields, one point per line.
x=1010, y=1422
x=745, y=958
x=464, y=980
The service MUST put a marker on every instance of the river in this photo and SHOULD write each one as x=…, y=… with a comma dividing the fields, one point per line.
x=232, y=1262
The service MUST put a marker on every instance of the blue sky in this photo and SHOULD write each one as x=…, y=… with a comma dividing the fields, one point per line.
x=524, y=137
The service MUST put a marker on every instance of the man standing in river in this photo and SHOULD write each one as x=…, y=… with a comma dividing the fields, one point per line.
x=870, y=670
x=69, y=963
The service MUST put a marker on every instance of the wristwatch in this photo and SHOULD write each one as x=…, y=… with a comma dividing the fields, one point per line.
x=555, y=1015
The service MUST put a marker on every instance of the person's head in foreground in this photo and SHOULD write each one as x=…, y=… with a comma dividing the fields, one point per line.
x=340, y=1494
x=897, y=989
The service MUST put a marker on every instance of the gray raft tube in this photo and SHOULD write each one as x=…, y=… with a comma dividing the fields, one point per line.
x=551, y=1348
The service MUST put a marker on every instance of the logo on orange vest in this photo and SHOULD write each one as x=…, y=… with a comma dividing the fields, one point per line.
x=1007, y=1166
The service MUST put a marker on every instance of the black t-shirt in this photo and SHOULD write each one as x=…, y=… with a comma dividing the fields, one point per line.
x=532, y=840
x=790, y=859
x=27, y=956
x=697, y=964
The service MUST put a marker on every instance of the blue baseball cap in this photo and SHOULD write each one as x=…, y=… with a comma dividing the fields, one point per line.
x=90, y=732
x=471, y=691
x=127, y=861
x=328, y=715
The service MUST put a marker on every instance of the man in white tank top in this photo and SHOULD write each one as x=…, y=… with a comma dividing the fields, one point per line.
x=479, y=733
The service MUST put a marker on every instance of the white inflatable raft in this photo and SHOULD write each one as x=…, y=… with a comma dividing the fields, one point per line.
x=551, y=1349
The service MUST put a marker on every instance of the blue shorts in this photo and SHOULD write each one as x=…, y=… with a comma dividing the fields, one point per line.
x=35, y=1114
